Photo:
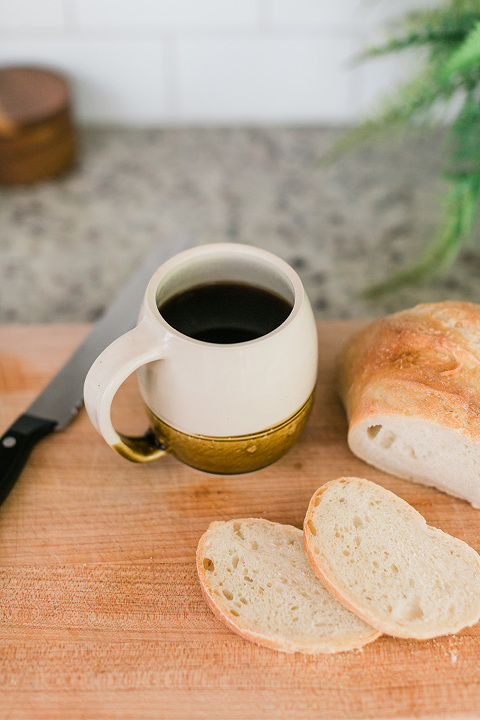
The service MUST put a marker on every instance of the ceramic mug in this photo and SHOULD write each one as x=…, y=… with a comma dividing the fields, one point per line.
x=222, y=407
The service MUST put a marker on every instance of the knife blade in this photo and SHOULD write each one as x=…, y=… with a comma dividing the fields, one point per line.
x=59, y=402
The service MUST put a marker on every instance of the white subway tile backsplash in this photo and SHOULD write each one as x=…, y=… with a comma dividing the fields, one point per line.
x=32, y=15
x=264, y=79
x=360, y=14
x=149, y=62
x=113, y=80
x=315, y=13
x=165, y=14
x=378, y=79
x=380, y=15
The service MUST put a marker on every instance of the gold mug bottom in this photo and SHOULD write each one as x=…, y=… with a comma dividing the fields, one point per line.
x=221, y=455
x=236, y=454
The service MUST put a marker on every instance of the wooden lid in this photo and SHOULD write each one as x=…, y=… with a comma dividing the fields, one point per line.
x=29, y=95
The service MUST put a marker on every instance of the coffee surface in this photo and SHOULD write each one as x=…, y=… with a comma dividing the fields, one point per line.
x=225, y=312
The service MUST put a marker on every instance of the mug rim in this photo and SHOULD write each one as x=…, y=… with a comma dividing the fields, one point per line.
x=252, y=251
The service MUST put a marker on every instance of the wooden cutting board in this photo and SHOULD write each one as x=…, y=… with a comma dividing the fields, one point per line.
x=101, y=614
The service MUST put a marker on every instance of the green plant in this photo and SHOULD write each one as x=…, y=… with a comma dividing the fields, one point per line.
x=447, y=87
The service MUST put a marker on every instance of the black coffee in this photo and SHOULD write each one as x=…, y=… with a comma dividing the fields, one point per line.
x=225, y=312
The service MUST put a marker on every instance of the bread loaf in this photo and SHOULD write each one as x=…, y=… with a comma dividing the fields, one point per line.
x=256, y=578
x=379, y=557
x=410, y=383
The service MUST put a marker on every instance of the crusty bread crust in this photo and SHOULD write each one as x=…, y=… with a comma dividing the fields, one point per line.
x=420, y=361
x=421, y=364
x=349, y=642
x=351, y=599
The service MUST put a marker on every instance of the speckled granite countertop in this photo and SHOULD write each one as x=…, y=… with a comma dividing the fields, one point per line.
x=67, y=245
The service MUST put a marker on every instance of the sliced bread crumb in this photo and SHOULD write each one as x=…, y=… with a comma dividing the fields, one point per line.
x=256, y=578
x=379, y=557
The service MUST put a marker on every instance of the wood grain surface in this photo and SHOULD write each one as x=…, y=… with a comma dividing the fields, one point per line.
x=101, y=615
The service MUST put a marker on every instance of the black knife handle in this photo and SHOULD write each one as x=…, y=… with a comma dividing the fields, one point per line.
x=16, y=445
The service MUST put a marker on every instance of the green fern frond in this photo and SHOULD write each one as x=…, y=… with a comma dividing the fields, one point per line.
x=415, y=101
x=467, y=57
x=448, y=38
x=448, y=22
x=447, y=25
x=409, y=40
x=463, y=140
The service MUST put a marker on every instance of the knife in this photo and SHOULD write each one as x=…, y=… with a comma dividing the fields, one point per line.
x=62, y=398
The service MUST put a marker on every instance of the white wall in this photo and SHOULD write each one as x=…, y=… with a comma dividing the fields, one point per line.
x=153, y=62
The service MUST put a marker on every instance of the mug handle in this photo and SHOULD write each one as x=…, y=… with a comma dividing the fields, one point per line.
x=112, y=367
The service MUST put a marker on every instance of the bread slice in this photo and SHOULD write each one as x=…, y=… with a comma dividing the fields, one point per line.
x=256, y=578
x=379, y=557
x=410, y=383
